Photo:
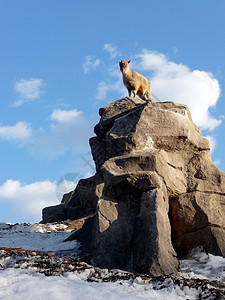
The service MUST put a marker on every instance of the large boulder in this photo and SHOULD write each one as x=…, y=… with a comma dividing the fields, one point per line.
x=158, y=194
x=77, y=204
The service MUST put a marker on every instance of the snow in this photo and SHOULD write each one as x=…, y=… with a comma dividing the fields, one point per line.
x=202, y=265
x=37, y=237
x=28, y=274
x=20, y=284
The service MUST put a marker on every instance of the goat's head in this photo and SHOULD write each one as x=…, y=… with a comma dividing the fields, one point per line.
x=124, y=65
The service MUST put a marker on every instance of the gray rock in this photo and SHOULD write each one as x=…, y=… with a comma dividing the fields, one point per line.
x=77, y=204
x=152, y=247
x=156, y=193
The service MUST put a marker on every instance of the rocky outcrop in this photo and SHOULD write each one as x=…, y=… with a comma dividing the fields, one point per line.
x=77, y=204
x=156, y=193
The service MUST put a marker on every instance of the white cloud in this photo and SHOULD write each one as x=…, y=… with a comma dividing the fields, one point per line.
x=212, y=142
x=69, y=131
x=115, y=85
x=216, y=162
x=90, y=63
x=20, y=132
x=176, y=82
x=25, y=202
x=65, y=116
x=28, y=90
x=103, y=88
x=175, y=50
x=112, y=50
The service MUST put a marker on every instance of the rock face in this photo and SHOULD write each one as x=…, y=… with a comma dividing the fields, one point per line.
x=77, y=204
x=156, y=193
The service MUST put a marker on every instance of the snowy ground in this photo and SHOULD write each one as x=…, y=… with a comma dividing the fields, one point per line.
x=41, y=272
x=39, y=237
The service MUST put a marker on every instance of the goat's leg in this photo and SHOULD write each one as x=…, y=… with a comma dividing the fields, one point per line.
x=135, y=93
x=129, y=93
x=148, y=95
x=142, y=96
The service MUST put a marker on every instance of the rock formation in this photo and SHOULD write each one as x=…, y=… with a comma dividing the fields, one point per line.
x=156, y=193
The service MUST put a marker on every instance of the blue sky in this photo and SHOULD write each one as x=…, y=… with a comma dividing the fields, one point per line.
x=59, y=65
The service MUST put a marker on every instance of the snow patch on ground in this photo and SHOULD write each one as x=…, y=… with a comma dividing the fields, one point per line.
x=198, y=264
x=32, y=275
x=39, y=237
x=20, y=284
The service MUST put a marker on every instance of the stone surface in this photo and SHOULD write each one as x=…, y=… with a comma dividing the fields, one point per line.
x=156, y=193
x=152, y=247
x=77, y=204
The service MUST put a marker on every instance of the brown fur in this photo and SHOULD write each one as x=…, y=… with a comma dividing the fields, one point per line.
x=136, y=83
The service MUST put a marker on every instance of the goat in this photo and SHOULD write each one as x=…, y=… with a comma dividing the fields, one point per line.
x=136, y=83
